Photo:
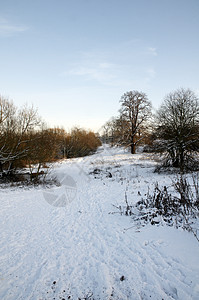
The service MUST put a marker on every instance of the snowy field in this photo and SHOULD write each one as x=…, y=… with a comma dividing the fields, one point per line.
x=70, y=242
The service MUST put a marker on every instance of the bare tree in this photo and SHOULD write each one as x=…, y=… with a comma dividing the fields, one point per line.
x=177, y=131
x=44, y=147
x=14, y=126
x=7, y=127
x=112, y=131
x=6, y=109
x=134, y=113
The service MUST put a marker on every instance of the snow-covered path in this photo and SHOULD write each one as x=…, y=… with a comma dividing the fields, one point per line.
x=82, y=250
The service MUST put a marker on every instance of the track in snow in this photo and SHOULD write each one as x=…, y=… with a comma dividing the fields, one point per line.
x=82, y=251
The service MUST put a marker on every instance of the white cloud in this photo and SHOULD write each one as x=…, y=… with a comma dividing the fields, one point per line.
x=121, y=70
x=105, y=65
x=102, y=72
x=152, y=51
x=151, y=73
x=9, y=29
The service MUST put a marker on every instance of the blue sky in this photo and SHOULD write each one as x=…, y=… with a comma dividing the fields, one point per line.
x=74, y=59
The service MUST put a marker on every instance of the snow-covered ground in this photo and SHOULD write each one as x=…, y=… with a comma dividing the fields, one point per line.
x=80, y=247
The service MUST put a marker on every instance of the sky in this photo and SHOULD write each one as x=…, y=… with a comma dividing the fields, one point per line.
x=74, y=59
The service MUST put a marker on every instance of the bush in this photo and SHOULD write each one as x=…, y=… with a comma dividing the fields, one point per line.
x=179, y=208
x=80, y=143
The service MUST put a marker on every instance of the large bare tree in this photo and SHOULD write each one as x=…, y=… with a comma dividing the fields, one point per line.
x=177, y=131
x=135, y=112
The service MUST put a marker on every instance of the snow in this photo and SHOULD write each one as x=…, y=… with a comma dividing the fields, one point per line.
x=82, y=248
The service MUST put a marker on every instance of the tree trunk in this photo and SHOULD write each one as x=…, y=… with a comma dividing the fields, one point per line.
x=133, y=144
x=133, y=148
x=133, y=138
x=181, y=160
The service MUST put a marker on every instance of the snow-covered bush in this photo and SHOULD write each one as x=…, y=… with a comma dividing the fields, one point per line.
x=178, y=207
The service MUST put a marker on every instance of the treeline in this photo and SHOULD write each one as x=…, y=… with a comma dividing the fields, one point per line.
x=173, y=130
x=25, y=141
